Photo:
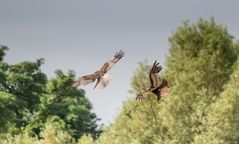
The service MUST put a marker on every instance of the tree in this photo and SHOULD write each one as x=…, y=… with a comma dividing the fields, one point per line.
x=222, y=123
x=52, y=133
x=198, y=66
x=67, y=105
x=6, y=99
x=28, y=100
x=27, y=84
x=8, y=117
x=21, y=85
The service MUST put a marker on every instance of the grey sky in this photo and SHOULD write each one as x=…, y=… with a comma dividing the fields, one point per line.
x=82, y=34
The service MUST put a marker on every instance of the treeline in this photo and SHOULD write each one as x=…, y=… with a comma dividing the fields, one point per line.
x=202, y=106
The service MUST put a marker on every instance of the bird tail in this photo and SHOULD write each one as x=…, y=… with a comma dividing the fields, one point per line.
x=103, y=82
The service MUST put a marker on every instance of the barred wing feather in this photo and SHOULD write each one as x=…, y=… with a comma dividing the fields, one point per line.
x=84, y=80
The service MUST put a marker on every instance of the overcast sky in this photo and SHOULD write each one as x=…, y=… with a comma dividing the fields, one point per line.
x=82, y=34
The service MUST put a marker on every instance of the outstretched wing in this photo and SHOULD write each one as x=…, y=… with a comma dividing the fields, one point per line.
x=84, y=80
x=143, y=95
x=153, y=74
x=163, y=89
x=109, y=64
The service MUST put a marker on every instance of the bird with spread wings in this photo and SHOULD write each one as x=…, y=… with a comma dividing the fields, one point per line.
x=101, y=76
x=161, y=90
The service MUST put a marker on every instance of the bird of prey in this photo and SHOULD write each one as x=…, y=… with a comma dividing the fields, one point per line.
x=101, y=76
x=161, y=90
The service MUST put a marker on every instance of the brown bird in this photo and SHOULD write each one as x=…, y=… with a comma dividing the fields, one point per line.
x=160, y=91
x=101, y=75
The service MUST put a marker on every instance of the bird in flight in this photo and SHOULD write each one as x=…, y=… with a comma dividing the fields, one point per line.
x=101, y=76
x=161, y=90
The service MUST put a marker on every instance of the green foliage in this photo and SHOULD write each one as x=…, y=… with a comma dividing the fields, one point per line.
x=26, y=83
x=7, y=115
x=2, y=52
x=199, y=66
x=67, y=105
x=201, y=107
x=28, y=100
x=86, y=139
x=222, y=123
x=52, y=133
x=7, y=100
x=18, y=139
x=140, y=80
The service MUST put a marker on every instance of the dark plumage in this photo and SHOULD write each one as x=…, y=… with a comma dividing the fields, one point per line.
x=160, y=91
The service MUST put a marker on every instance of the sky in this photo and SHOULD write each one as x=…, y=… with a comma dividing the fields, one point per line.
x=81, y=35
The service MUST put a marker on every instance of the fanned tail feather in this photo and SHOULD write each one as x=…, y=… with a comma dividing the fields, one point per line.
x=104, y=81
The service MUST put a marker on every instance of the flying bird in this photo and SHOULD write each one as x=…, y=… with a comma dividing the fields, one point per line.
x=101, y=76
x=161, y=90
